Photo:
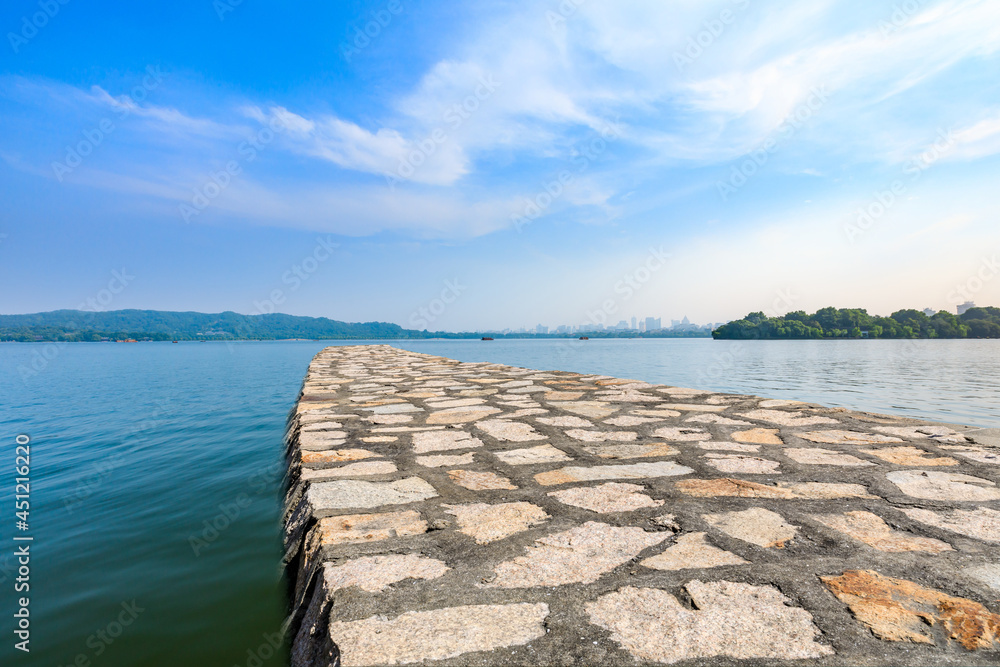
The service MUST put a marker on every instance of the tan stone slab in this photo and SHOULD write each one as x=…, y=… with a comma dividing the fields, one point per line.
x=532, y=455
x=577, y=556
x=694, y=407
x=731, y=620
x=779, y=403
x=435, y=441
x=824, y=457
x=355, y=528
x=445, y=460
x=632, y=420
x=461, y=415
x=759, y=436
x=692, y=551
x=785, y=418
x=756, y=525
x=936, y=485
x=592, y=409
x=351, y=494
x=658, y=412
x=417, y=636
x=361, y=469
x=684, y=391
x=841, y=437
x=709, y=418
x=380, y=438
x=606, y=498
x=981, y=523
x=909, y=456
x=596, y=473
x=336, y=456
x=655, y=449
x=740, y=463
x=726, y=447
x=682, y=434
x=375, y=573
x=601, y=436
x=562, y=395
x=392, y=408
x=488, y=523
x=454, y=403
x=508, y=431
x=389, y=419
x=901, y=610
x=932, y=431
x=480, y=480
x=321, y=439
x=977, y=454
x=876, y=533
x=566, y=420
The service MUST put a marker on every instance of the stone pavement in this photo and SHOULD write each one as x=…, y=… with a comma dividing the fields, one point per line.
x=480, y=514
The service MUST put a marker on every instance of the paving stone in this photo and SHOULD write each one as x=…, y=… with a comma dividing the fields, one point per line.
x=824, y=457
x=579, y=555
x=740, y=463
x=434, y=441
x=631, y=420
x=909, y=456
x=632, y=451
x=682, y=434
x=692, y=551
x=567, y=420
x=606, y=498
x=417, y=636
x=454, y=403
x=658, y=412
x=480, y=480
x=936, y=485
x=709, y=418
x=756, y=525
x=393, y=408
x=389, y=419
x=441, y=460
x=977, y=454
x=759, y=436
x=350, y=470
x=562, y=395
x=694, y=407
x=779, y=403
x=727, y=447
x=732, y=620
x=876, y=533
x=531, y=455
x=602, y=436
x=981, y=523
x=375, y=573
x=354, y=528
x=508, y=431
x=840, y=437
x=938, y=433
x=901, y=610
x=461, y=415
x=597, y=473
x=380, y=438
x=356, y=494
x=321, y=439
x=488, y=523
x=336, y=456
x=784, y=418
x=592, y=409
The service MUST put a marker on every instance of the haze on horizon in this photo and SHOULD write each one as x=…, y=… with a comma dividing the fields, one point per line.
x=532, y=161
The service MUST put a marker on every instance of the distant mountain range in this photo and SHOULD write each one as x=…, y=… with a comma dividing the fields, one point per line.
x=78, y=325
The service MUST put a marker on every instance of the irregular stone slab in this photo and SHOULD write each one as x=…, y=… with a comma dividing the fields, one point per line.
x=356, y=494
x=900, y=610
x=354, y=528
x=824, y=457
x=577, y=556
x=380, y=438
x=606, y=498
x=632, y=451
x=442, y=460
x=434, y=441
x=838, y=437
x=684, y=392
x=504, y=430
x=417, y=636
x=779, y=403
x=336, y=456
x=694, y=407
x=981, y=523
x=531, y=455
x=932, y=431
x=592, y=409
x=601, y=436
x=682, y=434
x=756, y=525
x=350, y=470
x=389, y=419
x=936, y=485
x=709, y=418
x=454, y=403
x=977, y=454
x=596, y=473
x=759, y=436
x=727, y=447
x=567, y=420
x=393, y=408
x=692, y=551
x=562, y=395
x=480, y=480
x=375, y=573
x=909, y=456
x=739, y=463
x=876, y=533
x=321, y=439
x=658, y=412
x=985, y=574
x=724, y=486
x=784, y=418
x=632, y=420
x=488, y=523
x=461, y=415
x=731, y=620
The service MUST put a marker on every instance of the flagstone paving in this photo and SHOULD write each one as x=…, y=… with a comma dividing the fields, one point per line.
x=448, y=513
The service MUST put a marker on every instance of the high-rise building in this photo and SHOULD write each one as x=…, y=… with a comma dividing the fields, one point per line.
x=929, y=312
x=633, y=323
x=652, y=323
x=541, y=329
x=961, y=308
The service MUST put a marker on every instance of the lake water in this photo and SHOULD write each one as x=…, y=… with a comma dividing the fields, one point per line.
x=156, y=468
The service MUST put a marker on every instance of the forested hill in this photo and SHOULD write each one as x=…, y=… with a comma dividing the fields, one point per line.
x=857, y=323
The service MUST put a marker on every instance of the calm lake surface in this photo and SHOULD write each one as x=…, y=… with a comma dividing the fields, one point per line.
x=136, y=450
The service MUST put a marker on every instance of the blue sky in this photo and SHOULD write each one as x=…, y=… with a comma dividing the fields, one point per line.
x=535, y=161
